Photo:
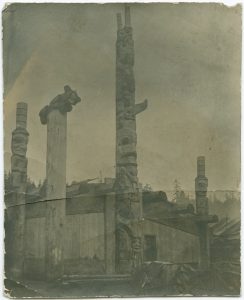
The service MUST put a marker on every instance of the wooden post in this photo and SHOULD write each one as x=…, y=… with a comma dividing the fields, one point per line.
x=204, y=260
x=201, y=184
x=56, y=192
x=16, y=212
x=109, y=233
x=128, y=202
x=55, y=116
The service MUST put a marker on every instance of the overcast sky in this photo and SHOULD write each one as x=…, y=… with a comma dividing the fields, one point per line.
x=187, y=64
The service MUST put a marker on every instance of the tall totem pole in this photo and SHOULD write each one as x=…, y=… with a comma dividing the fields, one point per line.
x=128, y=196
x=16, y=211
x=55, y=116
x=201, y=187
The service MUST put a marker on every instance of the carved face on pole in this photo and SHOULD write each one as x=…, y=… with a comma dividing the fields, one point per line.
x=71, y=95
x=19, y=163
x=127, y=145
x=123, y=178
x=74, y=98
x=19, y=142
x=201, y=185
x=129, y=113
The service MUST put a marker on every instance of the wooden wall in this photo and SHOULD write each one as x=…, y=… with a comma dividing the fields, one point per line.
x=83, y=237
x=173, y=245
x=84, y=245
x=34, y=265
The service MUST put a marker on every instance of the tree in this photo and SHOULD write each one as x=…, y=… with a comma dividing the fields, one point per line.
x=30, y=186
x=176, y=190
x=42, y=190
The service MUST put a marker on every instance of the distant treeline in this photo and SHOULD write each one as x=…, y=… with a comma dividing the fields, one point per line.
x=225, y=204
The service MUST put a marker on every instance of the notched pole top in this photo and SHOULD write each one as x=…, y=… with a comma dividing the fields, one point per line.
x=127, y=18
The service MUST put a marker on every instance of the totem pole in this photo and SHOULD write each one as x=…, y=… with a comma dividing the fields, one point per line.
x=201, y=185
x=55, y=116
x=16, y=211
x=19, y=149
x=128, y=196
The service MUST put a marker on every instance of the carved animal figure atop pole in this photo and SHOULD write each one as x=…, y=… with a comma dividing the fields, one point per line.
x=55, y=116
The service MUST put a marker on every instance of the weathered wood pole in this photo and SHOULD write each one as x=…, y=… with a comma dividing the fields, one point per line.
x=55, y=116
x=16, y=209
x=109, y=233
x=201, y=185
x=128, y=199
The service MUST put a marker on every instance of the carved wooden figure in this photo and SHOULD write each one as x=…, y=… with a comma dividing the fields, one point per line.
x=126, y=184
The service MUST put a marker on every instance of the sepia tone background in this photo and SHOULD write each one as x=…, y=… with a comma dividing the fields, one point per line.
x=188, y=63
